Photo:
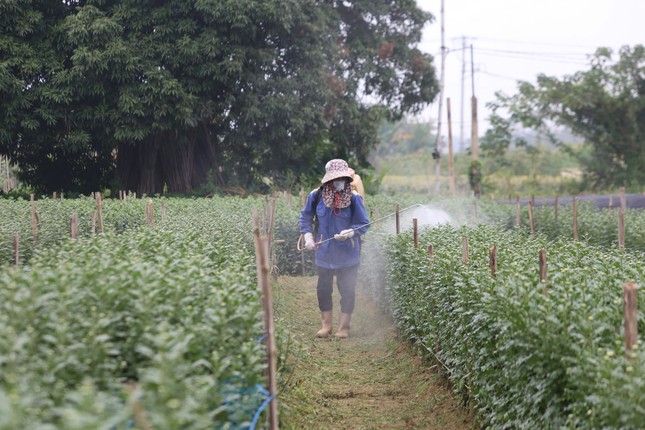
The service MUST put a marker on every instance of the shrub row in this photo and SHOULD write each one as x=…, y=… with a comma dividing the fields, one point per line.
x=525, y=359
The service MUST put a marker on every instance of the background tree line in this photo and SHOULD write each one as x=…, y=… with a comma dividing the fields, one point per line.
x=604, y=105
x=147, y=95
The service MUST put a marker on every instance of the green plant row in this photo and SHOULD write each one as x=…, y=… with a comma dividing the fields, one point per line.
x=526, y=354
x=595, y=226
x=53, y=221
x=172, y=311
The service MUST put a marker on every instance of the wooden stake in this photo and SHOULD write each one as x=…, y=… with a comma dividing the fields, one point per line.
x=464, y=250
x=623, y=201
x=621, y=227
x=611, y=201
x=34, y=219
x=94, y=223
x=517, y=215
x=531, y=221
x=631, y=316
x=150, y=213
x=138, y=412
x=263, y=268
x=99, y=211
x=575, y=219
x=430, y=252
x=492, y=261
x=415, y=232
x=543, y=266
x=73, y=226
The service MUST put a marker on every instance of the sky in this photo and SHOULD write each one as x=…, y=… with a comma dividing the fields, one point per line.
x=518, y=40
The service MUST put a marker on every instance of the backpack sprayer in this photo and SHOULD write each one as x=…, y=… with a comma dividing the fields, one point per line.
x=316, y=244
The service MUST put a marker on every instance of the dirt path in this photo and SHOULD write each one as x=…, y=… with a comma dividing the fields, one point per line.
x=369, y=381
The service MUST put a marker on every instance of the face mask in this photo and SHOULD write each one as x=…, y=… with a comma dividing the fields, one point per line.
x=339, y=185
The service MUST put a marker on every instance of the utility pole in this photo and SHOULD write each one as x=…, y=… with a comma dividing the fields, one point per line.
x=474, y=132
x=475, y=169
x=436, y=154
x=462, y=144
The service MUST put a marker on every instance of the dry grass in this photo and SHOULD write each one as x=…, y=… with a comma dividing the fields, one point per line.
x=369, y=381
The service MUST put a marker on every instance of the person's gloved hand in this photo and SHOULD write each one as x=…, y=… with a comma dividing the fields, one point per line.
x=309, y=242
x=344, y=235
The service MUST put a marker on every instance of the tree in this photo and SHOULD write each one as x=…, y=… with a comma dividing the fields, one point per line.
x=605, y=105
x=164, y=93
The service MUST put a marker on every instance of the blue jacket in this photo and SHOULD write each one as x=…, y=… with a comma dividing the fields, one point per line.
x=335, y=254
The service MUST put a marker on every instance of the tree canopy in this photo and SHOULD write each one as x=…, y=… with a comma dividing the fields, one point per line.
x=147, y=95
x=604, y=105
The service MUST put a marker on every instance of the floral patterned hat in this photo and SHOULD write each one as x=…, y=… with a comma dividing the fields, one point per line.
x=335, y=169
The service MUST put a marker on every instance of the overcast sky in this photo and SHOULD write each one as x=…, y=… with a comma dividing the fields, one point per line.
x=517, y=40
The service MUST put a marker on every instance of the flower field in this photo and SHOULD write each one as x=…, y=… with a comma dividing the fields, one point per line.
x=159, y=324
x=524, y=353
x=140, y=327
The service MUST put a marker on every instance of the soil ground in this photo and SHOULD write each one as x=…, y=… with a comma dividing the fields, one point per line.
x=373, y=380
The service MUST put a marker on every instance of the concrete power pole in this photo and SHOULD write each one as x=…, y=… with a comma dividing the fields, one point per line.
x=474, y=132
x=436, y=154
x=475, y=169
x=462, y=144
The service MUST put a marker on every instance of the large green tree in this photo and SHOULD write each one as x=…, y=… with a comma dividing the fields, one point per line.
x=162, y=93
x=604, y=105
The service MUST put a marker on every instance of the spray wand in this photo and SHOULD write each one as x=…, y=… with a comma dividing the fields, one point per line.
x=298, y=246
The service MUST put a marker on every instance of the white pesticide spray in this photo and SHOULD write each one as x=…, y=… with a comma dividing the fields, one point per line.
x=424, y=215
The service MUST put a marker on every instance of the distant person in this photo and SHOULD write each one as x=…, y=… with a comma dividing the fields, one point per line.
x=357, y=184
x=342, y=218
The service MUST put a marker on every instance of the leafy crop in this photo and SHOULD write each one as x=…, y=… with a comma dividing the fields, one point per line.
x=165, y=320
x=525, y=353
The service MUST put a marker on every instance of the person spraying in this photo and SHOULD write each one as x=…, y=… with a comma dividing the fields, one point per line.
x=341, y=219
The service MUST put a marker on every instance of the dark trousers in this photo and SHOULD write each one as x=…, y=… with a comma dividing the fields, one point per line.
x=346, y=283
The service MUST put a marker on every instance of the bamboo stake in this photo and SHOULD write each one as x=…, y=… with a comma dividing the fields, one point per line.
x=263, y=268
x=531, y=220
x=575, y=219
x=623, y=201
x=492, y=261
x=139, y=414
x=150, y=213
x=73, y=226
x=415, y=230
x=543, y=266
x=34, y=223
x=99, y=210
x=464, y=250
x=518, y=221
x=611, y=201
x=631, y=315
x=621, y=228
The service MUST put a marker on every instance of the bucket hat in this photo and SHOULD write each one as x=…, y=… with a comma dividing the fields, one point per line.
x=335, y=169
